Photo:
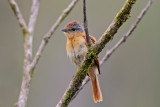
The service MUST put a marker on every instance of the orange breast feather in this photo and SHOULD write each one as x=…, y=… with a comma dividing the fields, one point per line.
x=76, y=49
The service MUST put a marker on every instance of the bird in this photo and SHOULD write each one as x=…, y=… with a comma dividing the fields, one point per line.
x=77, y=49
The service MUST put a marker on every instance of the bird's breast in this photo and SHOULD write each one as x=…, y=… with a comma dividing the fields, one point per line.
x=76, y=50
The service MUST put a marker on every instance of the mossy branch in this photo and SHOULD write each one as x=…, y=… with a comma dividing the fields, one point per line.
x=124, y=37
x=120, y=18
x=119, y=43
x=76, y=82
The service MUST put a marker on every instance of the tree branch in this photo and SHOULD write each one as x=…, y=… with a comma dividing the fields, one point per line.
x=77, y=80
x=50, y=33
x=29, y=65
x=28, y=37
x=85, y=22
x=124, y=37
x=33, y=15
x=122, y=40
x=19, y=16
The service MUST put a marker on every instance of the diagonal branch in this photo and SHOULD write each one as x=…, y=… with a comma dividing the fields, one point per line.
x=122, y=40
x=19, y=16
x=29, y=65
x=50, y=33
x=77, y=80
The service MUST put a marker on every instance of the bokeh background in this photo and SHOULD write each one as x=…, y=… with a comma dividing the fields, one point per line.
x=130, y=78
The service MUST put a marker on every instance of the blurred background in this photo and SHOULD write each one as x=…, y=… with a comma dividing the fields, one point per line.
x=130, y=78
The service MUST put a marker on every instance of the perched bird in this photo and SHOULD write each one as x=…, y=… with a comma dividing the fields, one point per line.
x=77, y=49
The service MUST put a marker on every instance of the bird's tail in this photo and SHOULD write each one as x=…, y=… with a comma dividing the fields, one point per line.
x=97, y=95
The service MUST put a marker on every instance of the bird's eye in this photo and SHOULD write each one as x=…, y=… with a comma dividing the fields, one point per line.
x=73, y=29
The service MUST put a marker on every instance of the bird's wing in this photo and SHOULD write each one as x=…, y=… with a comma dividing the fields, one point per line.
x=93, y=41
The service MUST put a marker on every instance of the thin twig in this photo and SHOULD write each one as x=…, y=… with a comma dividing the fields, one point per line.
x=28, y=37
x=77, y=80
x=85, y=22
x=33, y=16
x=28, y=72
x=86, y=80
x=50, y=33
x=122, y=40
x=18, y=14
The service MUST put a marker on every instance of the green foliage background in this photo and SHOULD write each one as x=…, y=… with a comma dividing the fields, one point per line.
x=130, y=78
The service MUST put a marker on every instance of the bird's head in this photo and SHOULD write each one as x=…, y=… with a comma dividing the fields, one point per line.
x=72, y=29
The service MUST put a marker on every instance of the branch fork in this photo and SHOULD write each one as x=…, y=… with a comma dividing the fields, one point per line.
x=80, y=79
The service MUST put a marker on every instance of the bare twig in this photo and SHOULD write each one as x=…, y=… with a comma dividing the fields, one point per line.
x=86, y=80
x=122, y=40
x=28, y=66
x=28, y=37
x=50, y=33
x=85, y=22
x=77, y=81
x=33, y=15
x=18, y=14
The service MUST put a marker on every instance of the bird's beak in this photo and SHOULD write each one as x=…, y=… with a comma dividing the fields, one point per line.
x=64, y=30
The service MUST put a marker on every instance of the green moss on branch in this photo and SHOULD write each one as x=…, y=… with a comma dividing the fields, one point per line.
x=79, y=77
x=75, y=84
x=120, y=18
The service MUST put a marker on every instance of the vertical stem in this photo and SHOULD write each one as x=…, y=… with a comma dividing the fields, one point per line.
x=85, y=22
x=76, y=82
x=28, y=37
x=33, y=15
x=29, y=64
x=26, y=76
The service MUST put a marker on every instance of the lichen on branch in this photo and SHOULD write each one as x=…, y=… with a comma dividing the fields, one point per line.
x=120, y=18
x=76, y=82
